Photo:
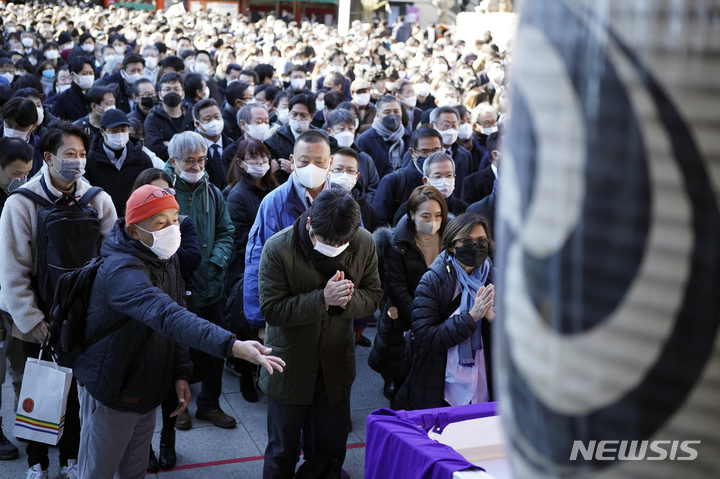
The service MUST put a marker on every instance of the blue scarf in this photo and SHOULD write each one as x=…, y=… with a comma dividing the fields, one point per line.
x=469, y=286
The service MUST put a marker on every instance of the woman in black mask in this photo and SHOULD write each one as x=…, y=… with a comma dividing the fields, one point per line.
x=452, y=314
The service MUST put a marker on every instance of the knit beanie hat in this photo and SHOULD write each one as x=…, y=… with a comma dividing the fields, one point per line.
x=148, y=200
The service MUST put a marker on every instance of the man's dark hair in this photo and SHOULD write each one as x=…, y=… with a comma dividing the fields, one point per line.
x=349, y=106
x=20, y=111
x=424, y=132
x=27, y=81
x=174, y=62
x=53, y=137
x=335, y=216
x=212, y=62
x=385, y=99
x=340, y=117
x=132, y=58
x=76, y=64
x=235, y=91
x=193, y=83
x=136, y=86
x=348, y=152
x=264, y=72
x=12, y=149
x=303, y=99
x=149, y=175
x=27, y=93
x=313, y=137
x=161, y=47
x=493, y=141
x=270, y=91
x=297, y=68
x=280, y=95
x=84, y=37
x=187, y=53
x=201, y=105
x=232, y=67
x=252, y=74
x=169, y=78
x=96, y=95
x=333, y=99
x=5, y=94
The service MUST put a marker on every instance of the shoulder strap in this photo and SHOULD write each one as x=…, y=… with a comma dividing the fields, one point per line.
x=33, y=196
x=214, y=192
x=89, y=195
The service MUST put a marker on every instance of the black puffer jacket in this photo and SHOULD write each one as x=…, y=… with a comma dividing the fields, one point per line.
x=159, y=128
x=425, y=386
x=404, y=266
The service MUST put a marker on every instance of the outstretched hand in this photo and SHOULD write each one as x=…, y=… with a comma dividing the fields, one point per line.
x=183, y=393
x=258, y=354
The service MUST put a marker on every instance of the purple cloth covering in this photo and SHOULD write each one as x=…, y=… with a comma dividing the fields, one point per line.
x=398, y=446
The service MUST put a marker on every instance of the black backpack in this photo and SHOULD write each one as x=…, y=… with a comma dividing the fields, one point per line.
x=68, y=236
x=67, y=318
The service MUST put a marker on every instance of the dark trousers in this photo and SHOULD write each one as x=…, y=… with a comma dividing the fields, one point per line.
x=208, y=367
x=329, y=425
x=70, y=442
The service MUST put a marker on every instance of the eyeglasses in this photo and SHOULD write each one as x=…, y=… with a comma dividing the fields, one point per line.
x=342, y=169
x=160, y=193
x=426, y=152
x=171, y=90
x=468, y=243
x=488, y=124
x=200, y=161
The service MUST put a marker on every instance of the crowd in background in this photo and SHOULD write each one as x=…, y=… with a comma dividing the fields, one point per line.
x=407, y=120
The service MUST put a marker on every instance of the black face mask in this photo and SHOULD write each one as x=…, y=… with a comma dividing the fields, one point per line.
x=148, y=102
x=391, y=122
x=172, y=99
x=471, y=256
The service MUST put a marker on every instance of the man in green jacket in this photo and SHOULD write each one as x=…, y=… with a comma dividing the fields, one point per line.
x=205, y=204
x=315, y=277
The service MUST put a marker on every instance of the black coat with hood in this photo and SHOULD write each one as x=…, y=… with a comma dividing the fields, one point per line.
x=159, y=128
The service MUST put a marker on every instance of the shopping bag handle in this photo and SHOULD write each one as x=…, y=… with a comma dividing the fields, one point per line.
x=45, y=346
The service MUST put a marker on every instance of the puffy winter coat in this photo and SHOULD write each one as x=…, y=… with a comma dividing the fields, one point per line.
x=435, y=335
x=132, y=368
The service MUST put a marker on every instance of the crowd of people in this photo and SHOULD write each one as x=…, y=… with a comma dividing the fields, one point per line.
x=263, y=192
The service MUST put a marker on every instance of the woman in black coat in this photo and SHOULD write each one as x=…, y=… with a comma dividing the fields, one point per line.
x=451, y=319
x=250, y=179
x=413, y=247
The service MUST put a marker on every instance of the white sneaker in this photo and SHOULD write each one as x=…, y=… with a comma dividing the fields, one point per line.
x=36, y=472
x=70, y=471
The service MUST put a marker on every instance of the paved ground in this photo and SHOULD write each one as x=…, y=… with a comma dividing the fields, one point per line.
x=209, y=452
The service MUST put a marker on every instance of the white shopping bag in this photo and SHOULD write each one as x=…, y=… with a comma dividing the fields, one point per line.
x=43, y=397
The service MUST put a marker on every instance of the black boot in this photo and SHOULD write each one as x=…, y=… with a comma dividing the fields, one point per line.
x=167, y=450
x=8, y=450
x=152, y=462
x=247, y=382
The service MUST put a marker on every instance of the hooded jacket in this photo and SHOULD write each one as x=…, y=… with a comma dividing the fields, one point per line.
x=132, y=368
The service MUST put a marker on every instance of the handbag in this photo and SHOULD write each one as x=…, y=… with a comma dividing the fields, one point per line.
x=43, y=398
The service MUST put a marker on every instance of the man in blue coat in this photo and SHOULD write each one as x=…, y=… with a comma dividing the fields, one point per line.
x=281, y=207
x=124, y=376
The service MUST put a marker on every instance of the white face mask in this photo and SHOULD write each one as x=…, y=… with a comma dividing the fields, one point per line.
x=8, y=76
x=213, y=127
x=465, y=131
x=117, y=141
x=132, y=78
x=52, y=54
x=62, y=88
x=165, y=241
x=119, y=50
x=445, y=186
x=362, y=99
x=257, y=171
x=192, y=177
x=422, y=89
x=84, y=81
x=498, y=76
x=27, y=42
x=202, y=68
x=449, y=136
x=297, y=84
x=311, y=176
x=87, y=48
x=489, y=131
x=448, y=101
x=259, y=132
x=71, y=169
x=343, y=179
x=344, y=138
x=10, y=133
x=427, y=228
x=300, y=126
x=282, y=114
x=410, y=101
x=319, y=105
x=329, y=251
x=151, y=62
x=206, y=92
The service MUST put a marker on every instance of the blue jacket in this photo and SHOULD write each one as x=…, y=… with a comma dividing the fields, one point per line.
x=132, y=368
x=70, y=104
x=373, y=144
x=278, y=210
x=394, y=190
